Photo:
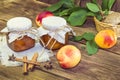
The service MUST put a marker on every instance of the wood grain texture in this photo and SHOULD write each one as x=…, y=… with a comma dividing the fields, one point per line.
x=16, y=73
x=102, y=66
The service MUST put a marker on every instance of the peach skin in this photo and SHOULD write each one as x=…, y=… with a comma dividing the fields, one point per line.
x=106, y=38
x=68, y=56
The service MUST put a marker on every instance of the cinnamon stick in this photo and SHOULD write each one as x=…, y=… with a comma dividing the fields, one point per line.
x=25, y=65
x=34, y=59
x=13, y=58
x=46, y=65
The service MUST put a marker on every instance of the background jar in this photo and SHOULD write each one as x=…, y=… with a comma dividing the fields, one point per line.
x=54, y=32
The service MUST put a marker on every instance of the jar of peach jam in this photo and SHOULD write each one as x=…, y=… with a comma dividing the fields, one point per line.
x=19, y=37
x=54, y=32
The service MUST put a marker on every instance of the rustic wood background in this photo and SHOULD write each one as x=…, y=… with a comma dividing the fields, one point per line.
x=105, y=65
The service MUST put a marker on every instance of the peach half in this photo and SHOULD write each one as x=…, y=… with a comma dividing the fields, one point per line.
x=68, y=56
x=106, y=38
x=42, y=15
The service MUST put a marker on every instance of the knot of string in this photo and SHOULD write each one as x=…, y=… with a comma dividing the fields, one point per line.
x=55, y=33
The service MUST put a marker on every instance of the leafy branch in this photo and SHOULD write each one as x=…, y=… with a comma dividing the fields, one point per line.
x=91, y=46
x=76, y=15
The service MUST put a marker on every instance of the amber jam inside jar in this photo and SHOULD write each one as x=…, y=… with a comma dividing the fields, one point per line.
x=54, y=32
x=19, y=37
x=53, y=44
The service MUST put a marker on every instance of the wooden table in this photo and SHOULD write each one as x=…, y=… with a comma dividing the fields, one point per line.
x=105, y=65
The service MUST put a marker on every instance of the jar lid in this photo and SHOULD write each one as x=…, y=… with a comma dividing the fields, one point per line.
x=19, y=24
x=53, y=23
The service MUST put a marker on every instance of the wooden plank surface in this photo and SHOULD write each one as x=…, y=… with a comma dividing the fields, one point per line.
x=102, y=66
x=16, y=73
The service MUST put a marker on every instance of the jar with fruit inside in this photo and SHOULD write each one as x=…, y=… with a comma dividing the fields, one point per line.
x=54, y=32
x=20, y=37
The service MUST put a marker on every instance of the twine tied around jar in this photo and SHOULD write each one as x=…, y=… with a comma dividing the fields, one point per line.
x=55, y=32
x=32, y=30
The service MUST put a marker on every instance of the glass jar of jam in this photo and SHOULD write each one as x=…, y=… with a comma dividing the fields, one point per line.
x=54, y=32
x=20, y=37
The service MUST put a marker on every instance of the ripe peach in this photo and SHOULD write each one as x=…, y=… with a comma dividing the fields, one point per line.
x=42, y=15
x=106, y=38
x=68, y=56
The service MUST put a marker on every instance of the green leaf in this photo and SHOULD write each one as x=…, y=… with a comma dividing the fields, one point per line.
x=110, y=4
x=77, y=38
x=64, y=12
x=93, y=7
x=74, y=9
x=94, y=1
x=68, y=3
x=68, y=11
x=104, y=5
x=62, y=3
x=77, y=18
x=55, y=7
x=106, y=12
x=91, y=47
x=99, y=17
x=88, y=36
x=90, y=14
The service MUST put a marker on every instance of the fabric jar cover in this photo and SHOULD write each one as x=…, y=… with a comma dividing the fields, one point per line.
x=18, y=27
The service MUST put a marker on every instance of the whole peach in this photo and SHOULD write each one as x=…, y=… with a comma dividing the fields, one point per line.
x=106, y=38
x=42, y=15
x=68, y=56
